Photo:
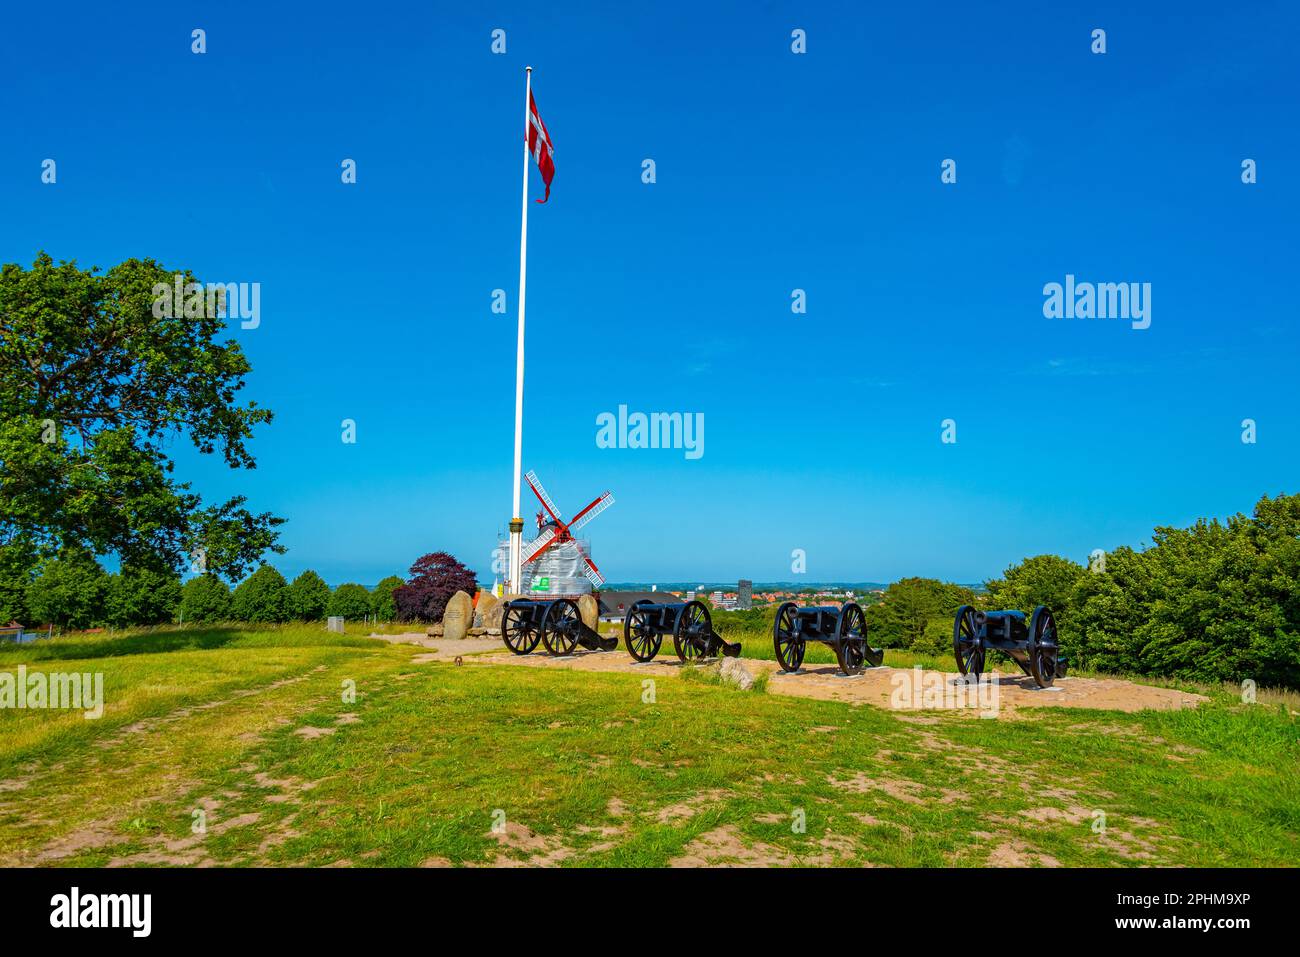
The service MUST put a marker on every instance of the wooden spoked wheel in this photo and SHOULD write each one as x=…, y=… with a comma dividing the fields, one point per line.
x=966, y=646
x=692, y=631
x=561, y=627
x=851, y=640
x=640, y=635
x=786, y=641
x=517, y=630
x=1044, y=648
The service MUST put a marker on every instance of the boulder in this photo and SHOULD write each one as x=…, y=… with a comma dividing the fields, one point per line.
x=435, y=630
x=487, y=613
x=458, y=616
x=734, y=672
x=589, y=609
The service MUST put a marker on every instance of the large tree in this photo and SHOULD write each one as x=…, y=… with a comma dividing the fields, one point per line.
x=95, y=383
x=434, y=579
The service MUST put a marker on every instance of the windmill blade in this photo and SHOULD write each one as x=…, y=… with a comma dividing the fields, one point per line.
x=591, y=511
x=538, y=545
x=536, y=485
x=592, y=572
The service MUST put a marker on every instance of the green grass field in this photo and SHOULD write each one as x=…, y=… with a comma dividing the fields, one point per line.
x=247, y=731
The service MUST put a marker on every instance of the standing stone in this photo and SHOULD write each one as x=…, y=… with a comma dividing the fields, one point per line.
x=487, y=613
x=458, y=616
x=589, y=609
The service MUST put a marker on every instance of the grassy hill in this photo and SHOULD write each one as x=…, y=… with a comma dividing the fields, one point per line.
x=247, y=731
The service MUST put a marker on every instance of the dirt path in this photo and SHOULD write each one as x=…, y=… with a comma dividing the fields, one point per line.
x=893, y=688
x=441, y=648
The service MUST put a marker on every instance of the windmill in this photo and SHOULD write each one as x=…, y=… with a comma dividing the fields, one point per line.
x=555, y=532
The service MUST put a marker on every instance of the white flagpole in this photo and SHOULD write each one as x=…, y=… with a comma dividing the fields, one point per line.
x=516, y=521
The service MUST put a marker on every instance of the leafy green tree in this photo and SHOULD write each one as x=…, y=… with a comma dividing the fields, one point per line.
x=1109, y=609
x=205, y=599
x=15, y=576
x=350, y=600
x=262, y=596
x=96, y=382
x=1219, y=601
x=69, y=591
x=142, y=596
x=382, y=603
x=903, y=617
x=307, y=597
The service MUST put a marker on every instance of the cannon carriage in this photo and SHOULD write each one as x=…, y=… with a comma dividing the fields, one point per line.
x=1034, y=646
x=843, y=628
x=647, y=624
x=557, y=624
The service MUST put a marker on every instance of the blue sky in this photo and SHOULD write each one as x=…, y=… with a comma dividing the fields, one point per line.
x=775, y=171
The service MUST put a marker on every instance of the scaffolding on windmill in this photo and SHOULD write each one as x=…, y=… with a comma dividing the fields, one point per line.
x=557, y=563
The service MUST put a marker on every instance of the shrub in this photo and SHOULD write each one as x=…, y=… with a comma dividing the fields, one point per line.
x=15, y=577
x=262, y=596
x=350, y=600
x=382, y=603
x=1218, y=601
x=69, y=591
x=307, y=597
x=903, y=618
x=434, y=579
x=141, y=596
x=205, y=599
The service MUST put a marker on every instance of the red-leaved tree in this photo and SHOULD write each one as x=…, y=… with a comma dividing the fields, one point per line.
x=434, y=579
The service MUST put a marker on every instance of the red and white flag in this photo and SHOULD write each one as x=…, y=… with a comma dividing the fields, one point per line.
x=539, y=144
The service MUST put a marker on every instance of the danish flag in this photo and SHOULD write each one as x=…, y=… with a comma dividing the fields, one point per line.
x=539, y=144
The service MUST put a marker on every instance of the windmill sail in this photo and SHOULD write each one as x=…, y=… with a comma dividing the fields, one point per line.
x=591, y=511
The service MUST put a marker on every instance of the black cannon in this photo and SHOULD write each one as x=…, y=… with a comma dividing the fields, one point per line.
x=1034, y=647
x=687, y=621
x=844, y=629
x=557, y=624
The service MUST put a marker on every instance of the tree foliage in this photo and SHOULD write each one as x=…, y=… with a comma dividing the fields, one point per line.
x=262, y=596
x=69, y=592
x=1219, y=601
x=205, y=599
x=434, y=579
x=350, y=600
x=16, y=567
x=94, y=386
x=382, y=603
x=902, y=619
x=307, y=597
x=141, y=596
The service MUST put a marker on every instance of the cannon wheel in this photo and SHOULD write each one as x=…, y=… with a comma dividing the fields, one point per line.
x=966, y=648
x=640, y=636
x=517, y=630
x=560, y=627
x=851, y=639
x=692, y=631
x=1043, y=647
x=789, y=647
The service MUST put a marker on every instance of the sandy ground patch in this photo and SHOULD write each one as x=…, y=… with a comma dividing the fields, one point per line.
x=443, y=648
x=876, y=686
